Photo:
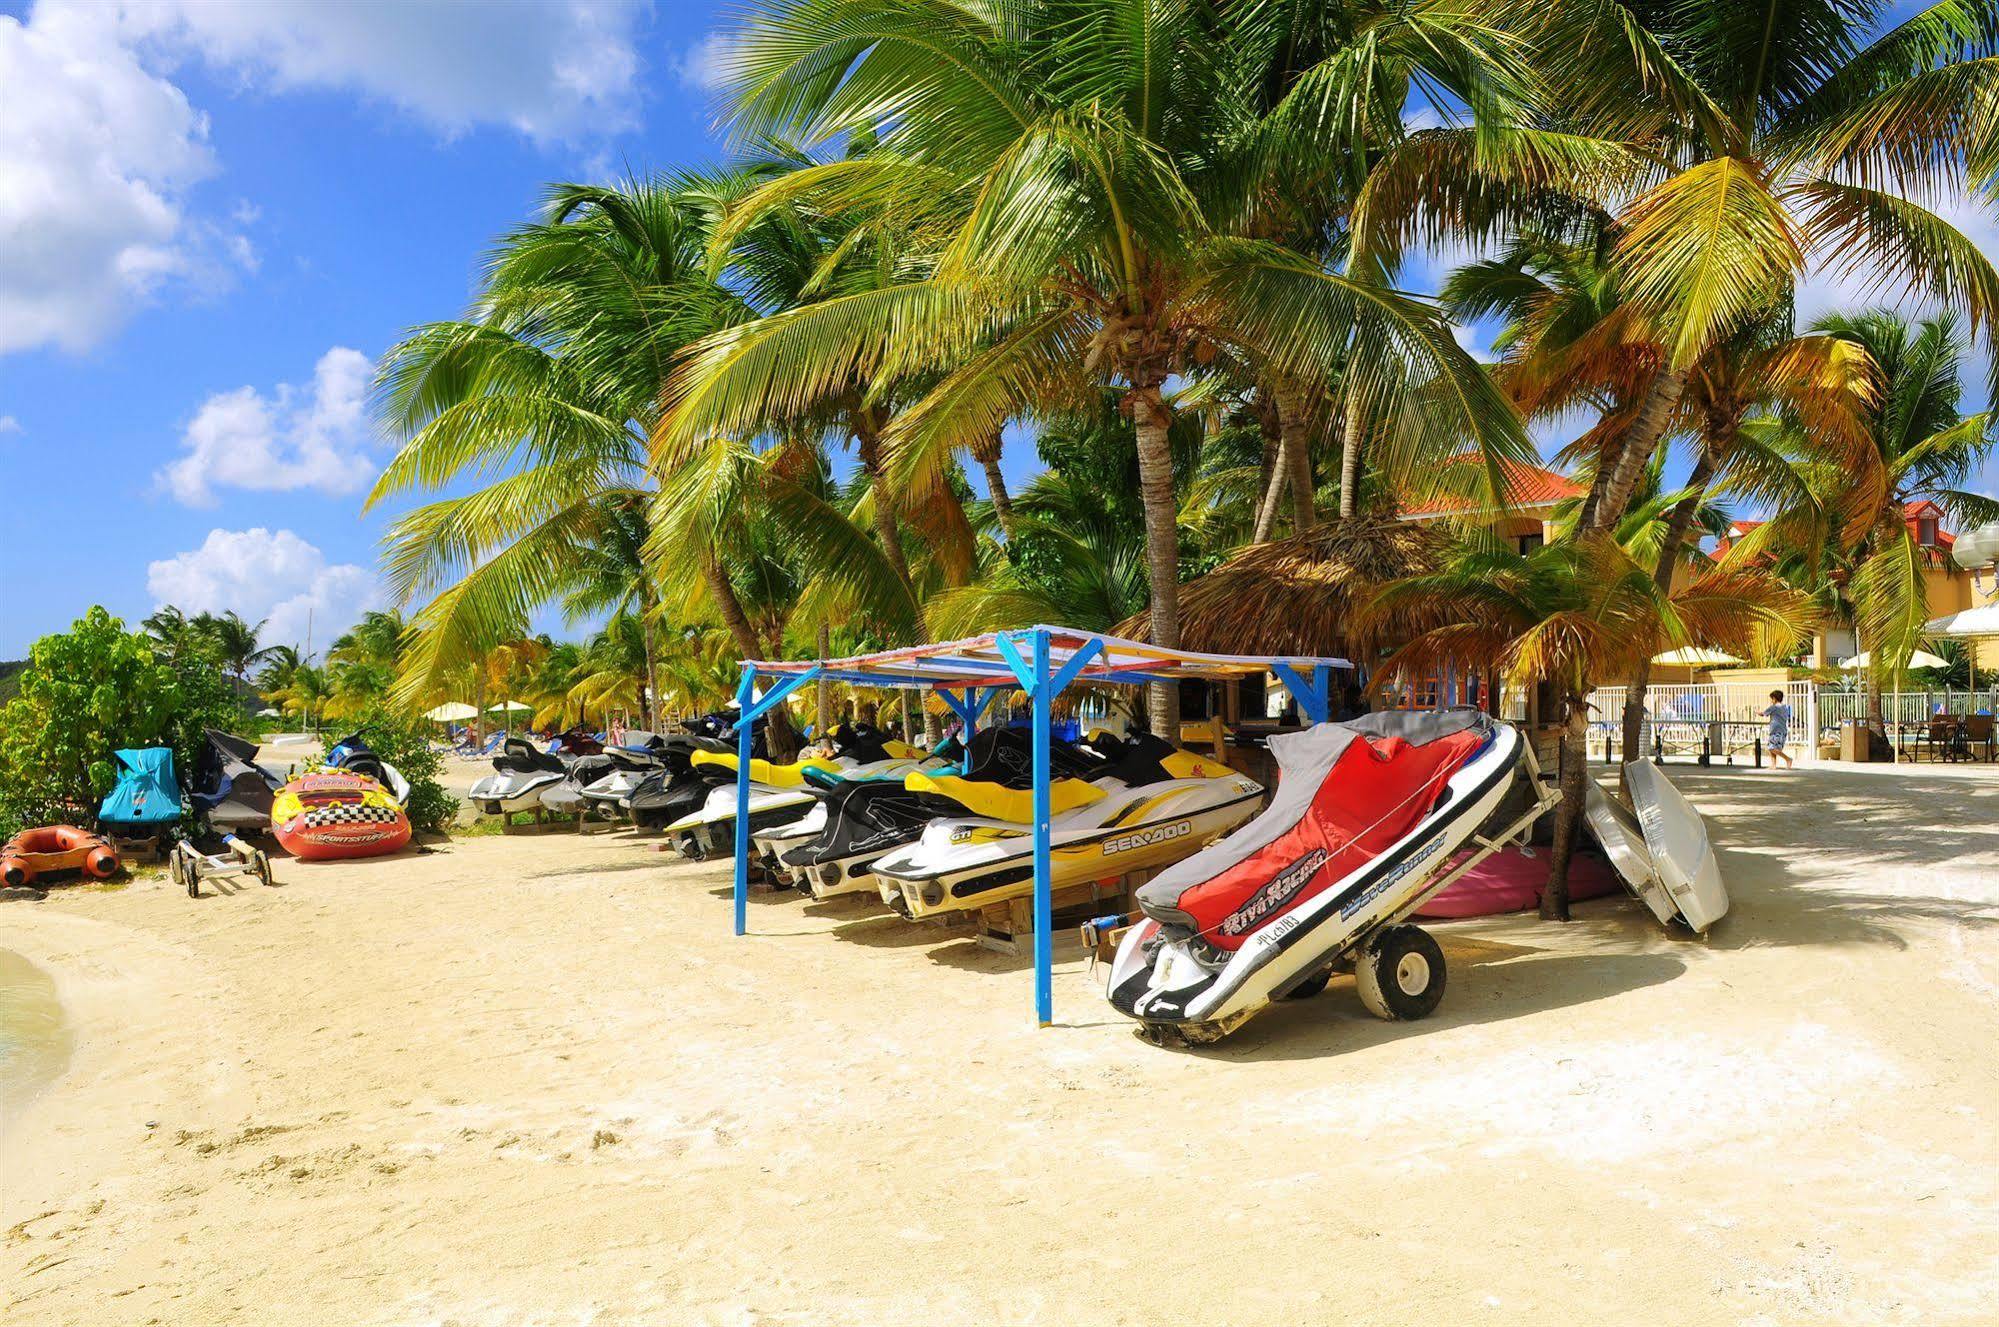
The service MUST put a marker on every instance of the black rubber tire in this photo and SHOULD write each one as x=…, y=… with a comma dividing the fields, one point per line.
x=1400, y=975
x=262, y=865
x=1309, y=987
x=690, y=847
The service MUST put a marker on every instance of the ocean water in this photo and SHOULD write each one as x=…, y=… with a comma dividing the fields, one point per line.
x=35, y=1038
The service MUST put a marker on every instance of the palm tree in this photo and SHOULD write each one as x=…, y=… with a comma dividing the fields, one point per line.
x=1730, y=146
x=1571, y=614
x=1099, y=168
x=1573, y=338
x=231, y=640
x=1919, y=447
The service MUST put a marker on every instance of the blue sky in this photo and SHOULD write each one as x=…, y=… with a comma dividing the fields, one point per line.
x=214, y=213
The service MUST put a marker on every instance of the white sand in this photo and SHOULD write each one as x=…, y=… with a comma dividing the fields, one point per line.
x=536, y=1081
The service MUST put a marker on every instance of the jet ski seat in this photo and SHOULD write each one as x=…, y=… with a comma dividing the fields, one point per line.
x=1382, y=775
x=996, y=801
x=762, y=771
x=522, y=758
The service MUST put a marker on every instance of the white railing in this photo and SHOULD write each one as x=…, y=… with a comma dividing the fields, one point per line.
x=1727, y=724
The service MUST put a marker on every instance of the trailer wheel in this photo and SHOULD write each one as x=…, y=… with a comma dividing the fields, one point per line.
x=262, y=865
x=690, y=847
x=182, y=874
x=1309, y=987
x=1400, y=975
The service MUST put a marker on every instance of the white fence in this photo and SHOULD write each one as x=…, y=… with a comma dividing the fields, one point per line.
x=1727, y=725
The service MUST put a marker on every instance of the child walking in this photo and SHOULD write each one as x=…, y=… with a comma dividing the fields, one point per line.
x=1779, y=715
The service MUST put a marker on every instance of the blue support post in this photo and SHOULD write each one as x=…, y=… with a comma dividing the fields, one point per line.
x=751, y=710
x=1311, y=696
x=1044, y=907
x=745, y=701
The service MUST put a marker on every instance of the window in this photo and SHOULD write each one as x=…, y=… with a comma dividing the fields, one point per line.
x=1926, y=531
x=1527, y=543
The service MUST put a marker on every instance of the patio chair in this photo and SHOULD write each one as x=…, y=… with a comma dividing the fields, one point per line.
x=1977, y=732
x=1940, y=737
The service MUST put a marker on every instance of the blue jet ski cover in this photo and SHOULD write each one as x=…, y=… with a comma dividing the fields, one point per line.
x=146, y=792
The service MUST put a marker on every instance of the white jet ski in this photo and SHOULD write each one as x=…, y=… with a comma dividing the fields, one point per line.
x=1153, y=805
x=631, y=761
x=1364, y=824
x=1662, y=853
x=521, y=776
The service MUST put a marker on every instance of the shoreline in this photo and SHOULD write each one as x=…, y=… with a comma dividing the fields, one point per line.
x=534, y=1079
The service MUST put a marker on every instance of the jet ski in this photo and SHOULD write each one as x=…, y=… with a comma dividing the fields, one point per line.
x=521, y=777
x=1367, y=816
x=866, y=819
x=640, y=755
x=676, y=787
x=353, y=754
x=875, y=762
x=1154, y=805
x=781, y=794
x=575, y=742
x=1662, y=852
x=230, y=789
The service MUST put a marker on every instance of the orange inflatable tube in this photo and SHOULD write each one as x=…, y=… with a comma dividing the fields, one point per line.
x=35, y=852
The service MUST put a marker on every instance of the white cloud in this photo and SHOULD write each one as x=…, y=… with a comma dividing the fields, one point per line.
x=264, y=574
x=99, y=149
x=707, y=65
x=9, y=424
x=96, y=155
x=556, y=70
x=290, y=439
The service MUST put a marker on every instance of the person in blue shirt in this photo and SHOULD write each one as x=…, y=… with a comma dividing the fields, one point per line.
x=1779, y=715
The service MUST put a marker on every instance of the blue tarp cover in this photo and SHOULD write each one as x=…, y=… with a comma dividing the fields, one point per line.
x=147, y=793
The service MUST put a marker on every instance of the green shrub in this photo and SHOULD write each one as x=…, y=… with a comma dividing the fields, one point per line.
x=86, y=693
x=405, y=743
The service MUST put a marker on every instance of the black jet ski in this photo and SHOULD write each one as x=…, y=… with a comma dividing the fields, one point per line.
x=230, y=790
x=866, y=820
x=353, y=754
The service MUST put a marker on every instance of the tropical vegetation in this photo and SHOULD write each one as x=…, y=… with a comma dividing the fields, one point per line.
x=748, y=411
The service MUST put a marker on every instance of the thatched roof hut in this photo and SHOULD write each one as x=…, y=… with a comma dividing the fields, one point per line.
x=1299, y=595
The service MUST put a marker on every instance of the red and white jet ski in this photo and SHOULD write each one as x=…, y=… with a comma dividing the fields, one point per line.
x=1366, y=819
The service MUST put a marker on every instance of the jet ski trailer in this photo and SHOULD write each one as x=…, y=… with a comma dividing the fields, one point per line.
x=1367, y=817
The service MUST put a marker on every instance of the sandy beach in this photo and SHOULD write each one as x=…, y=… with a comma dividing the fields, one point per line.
x=536, y=1081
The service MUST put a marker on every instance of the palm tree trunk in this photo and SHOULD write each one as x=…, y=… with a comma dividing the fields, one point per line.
x=1271, y=474
x=1633, y=449
x=987, y=454
x=1353, y=441
x=1569, y=814
x=1150, y=420
x=868, y=435
x=652, y=672
x=1677, y=526
x=782, y=737
x=1295, y=451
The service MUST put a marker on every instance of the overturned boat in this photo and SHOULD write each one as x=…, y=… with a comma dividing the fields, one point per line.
x=1662, y=851
x=521, y=776
x=1362, y=830
x=1151, y=804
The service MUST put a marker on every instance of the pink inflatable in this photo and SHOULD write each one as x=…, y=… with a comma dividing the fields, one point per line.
x=1509, y=882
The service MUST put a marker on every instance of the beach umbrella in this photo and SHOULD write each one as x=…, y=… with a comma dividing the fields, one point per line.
x=508, y=707
x=1694, y=656
x=451, y=712
x=268, y=713
x=1920, y=659
x=1980, y=623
